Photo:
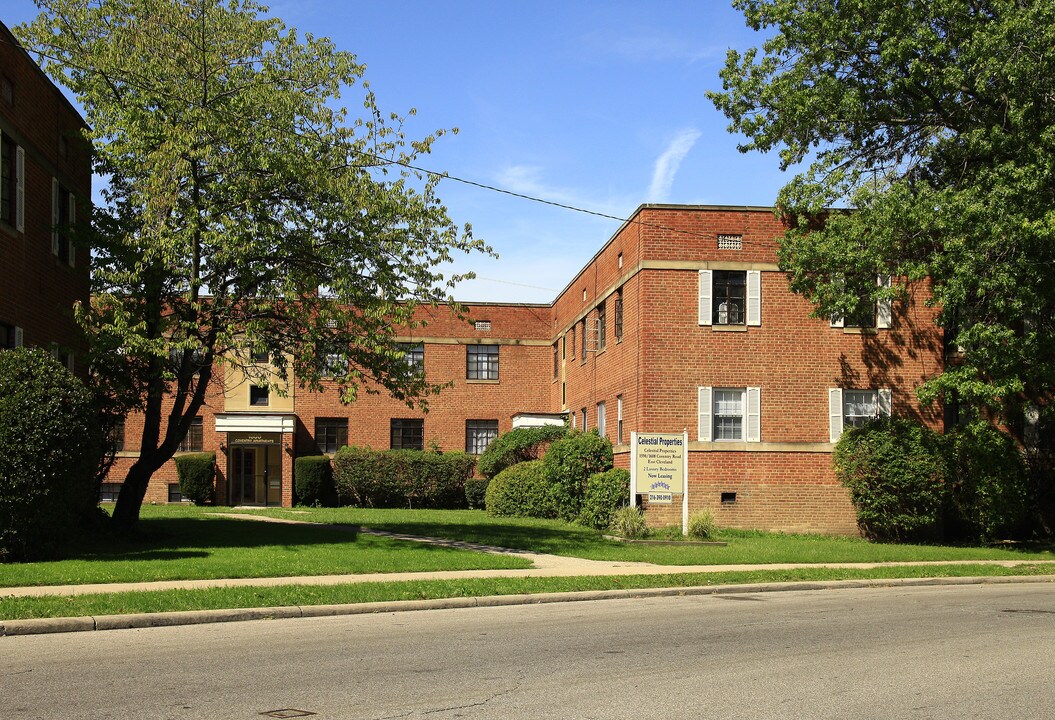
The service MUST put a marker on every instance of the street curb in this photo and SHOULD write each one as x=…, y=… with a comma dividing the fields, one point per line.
x=43, y=626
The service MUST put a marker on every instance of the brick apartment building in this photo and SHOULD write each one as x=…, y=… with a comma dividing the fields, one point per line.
x=45, y=181
x=681, y=321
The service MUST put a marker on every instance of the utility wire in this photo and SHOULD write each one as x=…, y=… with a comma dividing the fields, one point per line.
x=400, y=163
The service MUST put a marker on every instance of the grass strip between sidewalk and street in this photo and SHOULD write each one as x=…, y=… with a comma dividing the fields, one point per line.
x=20, y=608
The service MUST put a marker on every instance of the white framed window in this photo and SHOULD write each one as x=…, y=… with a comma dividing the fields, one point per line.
x=619, y=419
x=729, y=414
x=869, y=315
x=601, y=424
x=849, y=407
x=585, y=428
x=730, y=297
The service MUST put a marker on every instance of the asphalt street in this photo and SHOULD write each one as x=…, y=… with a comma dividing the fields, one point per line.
x=977, y=651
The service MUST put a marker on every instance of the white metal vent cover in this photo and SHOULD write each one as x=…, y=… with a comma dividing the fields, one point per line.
x=730, y=242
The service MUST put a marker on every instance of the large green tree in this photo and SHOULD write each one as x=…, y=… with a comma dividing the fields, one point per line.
x=245, y=211
x=934, y=122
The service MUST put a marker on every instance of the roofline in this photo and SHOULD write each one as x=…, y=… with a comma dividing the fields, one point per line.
x=17, y=45
x=656, y=206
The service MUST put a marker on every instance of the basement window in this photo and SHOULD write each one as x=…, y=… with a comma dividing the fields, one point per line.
x=728, y=498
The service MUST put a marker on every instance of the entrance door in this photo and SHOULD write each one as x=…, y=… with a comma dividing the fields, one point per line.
x=256, y=475
x=243, y=461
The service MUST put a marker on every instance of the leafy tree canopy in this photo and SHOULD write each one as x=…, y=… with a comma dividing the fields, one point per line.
x=934, y=122
x=246, y=212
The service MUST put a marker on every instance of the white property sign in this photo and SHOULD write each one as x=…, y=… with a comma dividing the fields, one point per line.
x=659, y=468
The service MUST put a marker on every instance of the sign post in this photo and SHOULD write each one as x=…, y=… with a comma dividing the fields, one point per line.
x=659, y=467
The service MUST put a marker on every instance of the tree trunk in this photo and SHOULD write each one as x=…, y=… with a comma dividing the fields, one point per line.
x=130, y=499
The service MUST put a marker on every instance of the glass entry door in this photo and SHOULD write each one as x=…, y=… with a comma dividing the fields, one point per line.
x=256, y=475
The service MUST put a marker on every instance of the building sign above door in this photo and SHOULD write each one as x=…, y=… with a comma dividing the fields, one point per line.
x=253, y=438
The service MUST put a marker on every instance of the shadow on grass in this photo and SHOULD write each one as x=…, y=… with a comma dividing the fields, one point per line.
x=161, y=538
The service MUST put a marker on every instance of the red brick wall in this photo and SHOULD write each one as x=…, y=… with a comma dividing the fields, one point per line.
x=38, y=291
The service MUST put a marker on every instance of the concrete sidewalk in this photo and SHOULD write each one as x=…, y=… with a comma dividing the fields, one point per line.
x=544, y=566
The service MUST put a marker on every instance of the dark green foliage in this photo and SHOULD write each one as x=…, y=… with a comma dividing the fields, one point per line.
x=314, y=485
x=521, y=490
x=517, y=446
x=606, y=492
x=402, y=478
x=196, y=473
x=569, y=463
x=895, y=471
x=988, y=484
x=476, y=493
x=50, y=446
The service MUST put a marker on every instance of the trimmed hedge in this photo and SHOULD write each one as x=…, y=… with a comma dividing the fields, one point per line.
x=401, y=478
x=895, y=471
x=516, y=446
x=476, y=493
x=569, y=463
x=988, y=483
x=606, y=492
x=314, y=484
x=50, y=447
x=196, y=472
x=521, y=490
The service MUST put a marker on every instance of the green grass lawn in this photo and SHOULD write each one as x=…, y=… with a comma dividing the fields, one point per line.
x=558, y=538
x=289, y=595
x=184, y=542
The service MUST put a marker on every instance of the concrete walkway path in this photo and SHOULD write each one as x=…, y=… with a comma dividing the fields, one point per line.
x=544, y=566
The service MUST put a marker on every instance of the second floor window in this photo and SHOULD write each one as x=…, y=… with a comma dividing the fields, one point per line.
x=414, y=355
x=481, y=362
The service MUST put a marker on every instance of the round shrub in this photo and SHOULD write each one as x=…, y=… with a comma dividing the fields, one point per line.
x=315, y=481
x=895, y=471
x=196, y=472
x=606, y=492
x=629, y=522
x=516, y=446
x=476, y=493
x=988, y=484
x=570, y=462
x=521, y=490
x=50, y=447
x=701, y=525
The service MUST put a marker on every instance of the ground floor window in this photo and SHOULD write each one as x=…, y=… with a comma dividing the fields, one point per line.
x=479, y=434
x=331, y=434
x=408, y=434
x=108, y=492
x=192, y=442
x=175, y=495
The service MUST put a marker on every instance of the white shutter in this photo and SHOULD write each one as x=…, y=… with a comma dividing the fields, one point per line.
x=754, y=297
x=19, y=337
x=73, y=219
x=54, y=216
x=883, y=398
x=703, y=425
x=884, y=310
x=835, y=414
x=705, y=297
x=837, y=321
x=20, y=192
x=754, y=414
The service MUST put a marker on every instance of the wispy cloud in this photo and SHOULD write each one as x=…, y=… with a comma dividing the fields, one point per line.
x=667, y=164
x=528, y=180
x=649, y=47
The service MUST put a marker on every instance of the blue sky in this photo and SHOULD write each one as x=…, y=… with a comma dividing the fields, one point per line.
x=597, y=104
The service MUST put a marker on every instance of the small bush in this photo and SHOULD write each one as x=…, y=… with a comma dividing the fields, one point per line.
x=569, y=463
x=50, y=447
x=606, y=492
x=895, y=470
x=314, y=485
x=521, y=490
x=401, y=478
x=196, y=472
x=701, y=525
x=629, y=522
x=987, y=483
x=476, y=493
x=516, y=446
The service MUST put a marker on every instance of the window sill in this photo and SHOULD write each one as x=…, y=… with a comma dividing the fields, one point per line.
x=480, y=382
x=729, y=328
x=860, y=331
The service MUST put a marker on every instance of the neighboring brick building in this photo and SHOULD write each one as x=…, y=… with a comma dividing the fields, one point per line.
x=682, y=321
x=45, y=182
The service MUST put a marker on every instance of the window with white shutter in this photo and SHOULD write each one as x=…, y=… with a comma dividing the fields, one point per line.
x=705, y=297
